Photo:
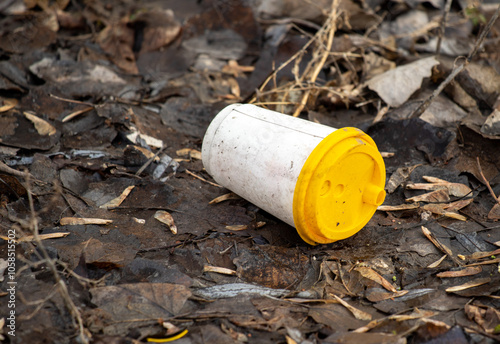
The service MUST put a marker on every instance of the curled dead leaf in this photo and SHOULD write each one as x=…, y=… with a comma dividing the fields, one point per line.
x=115, y=202
x=165, y=217
x=42, y=127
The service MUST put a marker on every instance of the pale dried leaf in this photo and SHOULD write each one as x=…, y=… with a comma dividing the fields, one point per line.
x=358, y=314
x=76, y=114
x=397, y=85
x=437, y=262
x=434, y=196
x=165, y=217
x=237, y=227
x=454, y=189
x=7, y=104
x=115, y=202
x=192, y=153
x=455, y=206
x=224, y=197
x=494, y=213
x=439, y=210
x=479, y=255
x=374, y=276
x=29, y=238
x=398, y=207
x=472, y=270
x=219, y=270
x=42, y=127
x=471, y=284
x=439, y=245
x=70, y=221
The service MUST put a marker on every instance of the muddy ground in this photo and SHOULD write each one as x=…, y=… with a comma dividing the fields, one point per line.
x=119, y=234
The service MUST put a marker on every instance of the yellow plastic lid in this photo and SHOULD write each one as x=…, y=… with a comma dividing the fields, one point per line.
x=339, y=187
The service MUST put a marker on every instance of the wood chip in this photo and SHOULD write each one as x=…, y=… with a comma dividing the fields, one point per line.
x=192, y=153
x=472, y=270
x=165, y=217
x=219, y=270
x=471, y=284
x=42, y=127
x=115, y=202
x=375, y=277
x=358, y=314
x=434, y=196
x=70, y=221
x=225, y=197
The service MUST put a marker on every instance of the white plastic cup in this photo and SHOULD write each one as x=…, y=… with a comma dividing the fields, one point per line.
x=325, y=182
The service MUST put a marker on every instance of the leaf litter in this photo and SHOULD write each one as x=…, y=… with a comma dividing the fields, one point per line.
x=103, y=108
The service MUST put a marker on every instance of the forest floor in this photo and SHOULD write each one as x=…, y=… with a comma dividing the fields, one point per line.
x=113, y=232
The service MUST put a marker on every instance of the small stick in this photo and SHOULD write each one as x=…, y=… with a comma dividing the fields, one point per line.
x=443, y=27
x=202, y=179
x=422, y=107
x=486, y=182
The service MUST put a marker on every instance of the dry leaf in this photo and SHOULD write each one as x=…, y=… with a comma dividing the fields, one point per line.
x=492, y=261
x=42, y=127
x=460, y=273
x=219, y=270
x=434, y=196
x=398, y=207
x=454, y=189
x=224, y=197
x=358, y=314
x=235, y=69
x=76, y=113
x=29, y=238
x=439, y=210
x=471, y=284
x=486, y=317
x=479, y=255
x=455, y=206
x=115, y=202
x=437, y=262
x=7, y=104
x=494, y=213
x=443, y=248
x=165, y=217
x=237, y=227
x=69, y=221
x=378, y=294
x=397, y=85
x=398, y=177
x=192, y=153
x=374, y=276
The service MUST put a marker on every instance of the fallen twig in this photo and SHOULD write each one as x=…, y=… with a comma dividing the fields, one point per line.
x=456, y=70
x=486, y=181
